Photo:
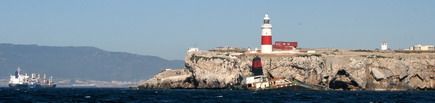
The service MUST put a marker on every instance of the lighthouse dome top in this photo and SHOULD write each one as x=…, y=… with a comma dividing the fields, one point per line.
x=266, y=17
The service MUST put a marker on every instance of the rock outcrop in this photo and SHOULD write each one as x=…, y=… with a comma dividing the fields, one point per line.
x=339, y=70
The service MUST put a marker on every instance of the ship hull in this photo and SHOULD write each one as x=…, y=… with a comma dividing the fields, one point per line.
x=287, y=87
x=31, y=86
x=266, y=83
x=294, y=87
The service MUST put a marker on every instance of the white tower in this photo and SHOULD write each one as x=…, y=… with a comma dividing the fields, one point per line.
x=266, y=35
x=384, y=46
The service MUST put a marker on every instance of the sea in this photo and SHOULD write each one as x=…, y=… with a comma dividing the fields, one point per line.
x=103, y=95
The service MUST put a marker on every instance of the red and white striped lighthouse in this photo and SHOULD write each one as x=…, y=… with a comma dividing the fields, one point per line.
x=266, y=35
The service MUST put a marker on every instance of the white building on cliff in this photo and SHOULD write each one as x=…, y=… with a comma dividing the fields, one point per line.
x=384, y=46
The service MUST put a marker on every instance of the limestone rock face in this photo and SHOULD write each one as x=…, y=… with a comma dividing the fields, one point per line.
x=180, y=78
x=380, y=73
x=336, y=70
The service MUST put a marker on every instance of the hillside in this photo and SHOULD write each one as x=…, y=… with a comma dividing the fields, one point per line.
x=80, y=62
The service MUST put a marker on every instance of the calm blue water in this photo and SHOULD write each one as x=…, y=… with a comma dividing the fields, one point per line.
x=8, y=95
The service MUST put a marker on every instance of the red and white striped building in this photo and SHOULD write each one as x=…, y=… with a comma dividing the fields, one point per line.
x=266, y=35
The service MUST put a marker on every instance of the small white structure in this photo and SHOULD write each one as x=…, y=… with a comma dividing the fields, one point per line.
x=192, y=49
x=253, y=51
x=422, y=47
x=311, y=51
x=384, y=46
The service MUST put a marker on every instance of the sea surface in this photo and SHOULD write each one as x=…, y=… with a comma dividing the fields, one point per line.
x=9, y=95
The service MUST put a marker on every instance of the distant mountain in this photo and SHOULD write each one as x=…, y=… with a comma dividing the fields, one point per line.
x=80, y=62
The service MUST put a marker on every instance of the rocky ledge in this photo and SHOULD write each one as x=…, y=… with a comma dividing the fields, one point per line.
x=337, y=70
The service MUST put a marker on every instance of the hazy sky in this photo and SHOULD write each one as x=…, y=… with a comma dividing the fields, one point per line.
x=166, y=28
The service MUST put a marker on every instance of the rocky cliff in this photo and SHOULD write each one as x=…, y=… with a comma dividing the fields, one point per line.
x=338, y=69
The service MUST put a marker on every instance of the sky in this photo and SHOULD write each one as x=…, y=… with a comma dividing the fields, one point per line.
x=167, y=28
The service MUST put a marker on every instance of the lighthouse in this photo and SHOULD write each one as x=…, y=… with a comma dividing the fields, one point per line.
x=266, y=35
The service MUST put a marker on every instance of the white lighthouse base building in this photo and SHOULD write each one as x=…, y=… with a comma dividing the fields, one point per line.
x=266, y=48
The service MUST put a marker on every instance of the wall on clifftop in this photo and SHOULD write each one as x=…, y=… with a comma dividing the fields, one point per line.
x=336, y=70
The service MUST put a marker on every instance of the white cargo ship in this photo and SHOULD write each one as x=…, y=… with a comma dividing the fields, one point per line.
x=25, y=81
